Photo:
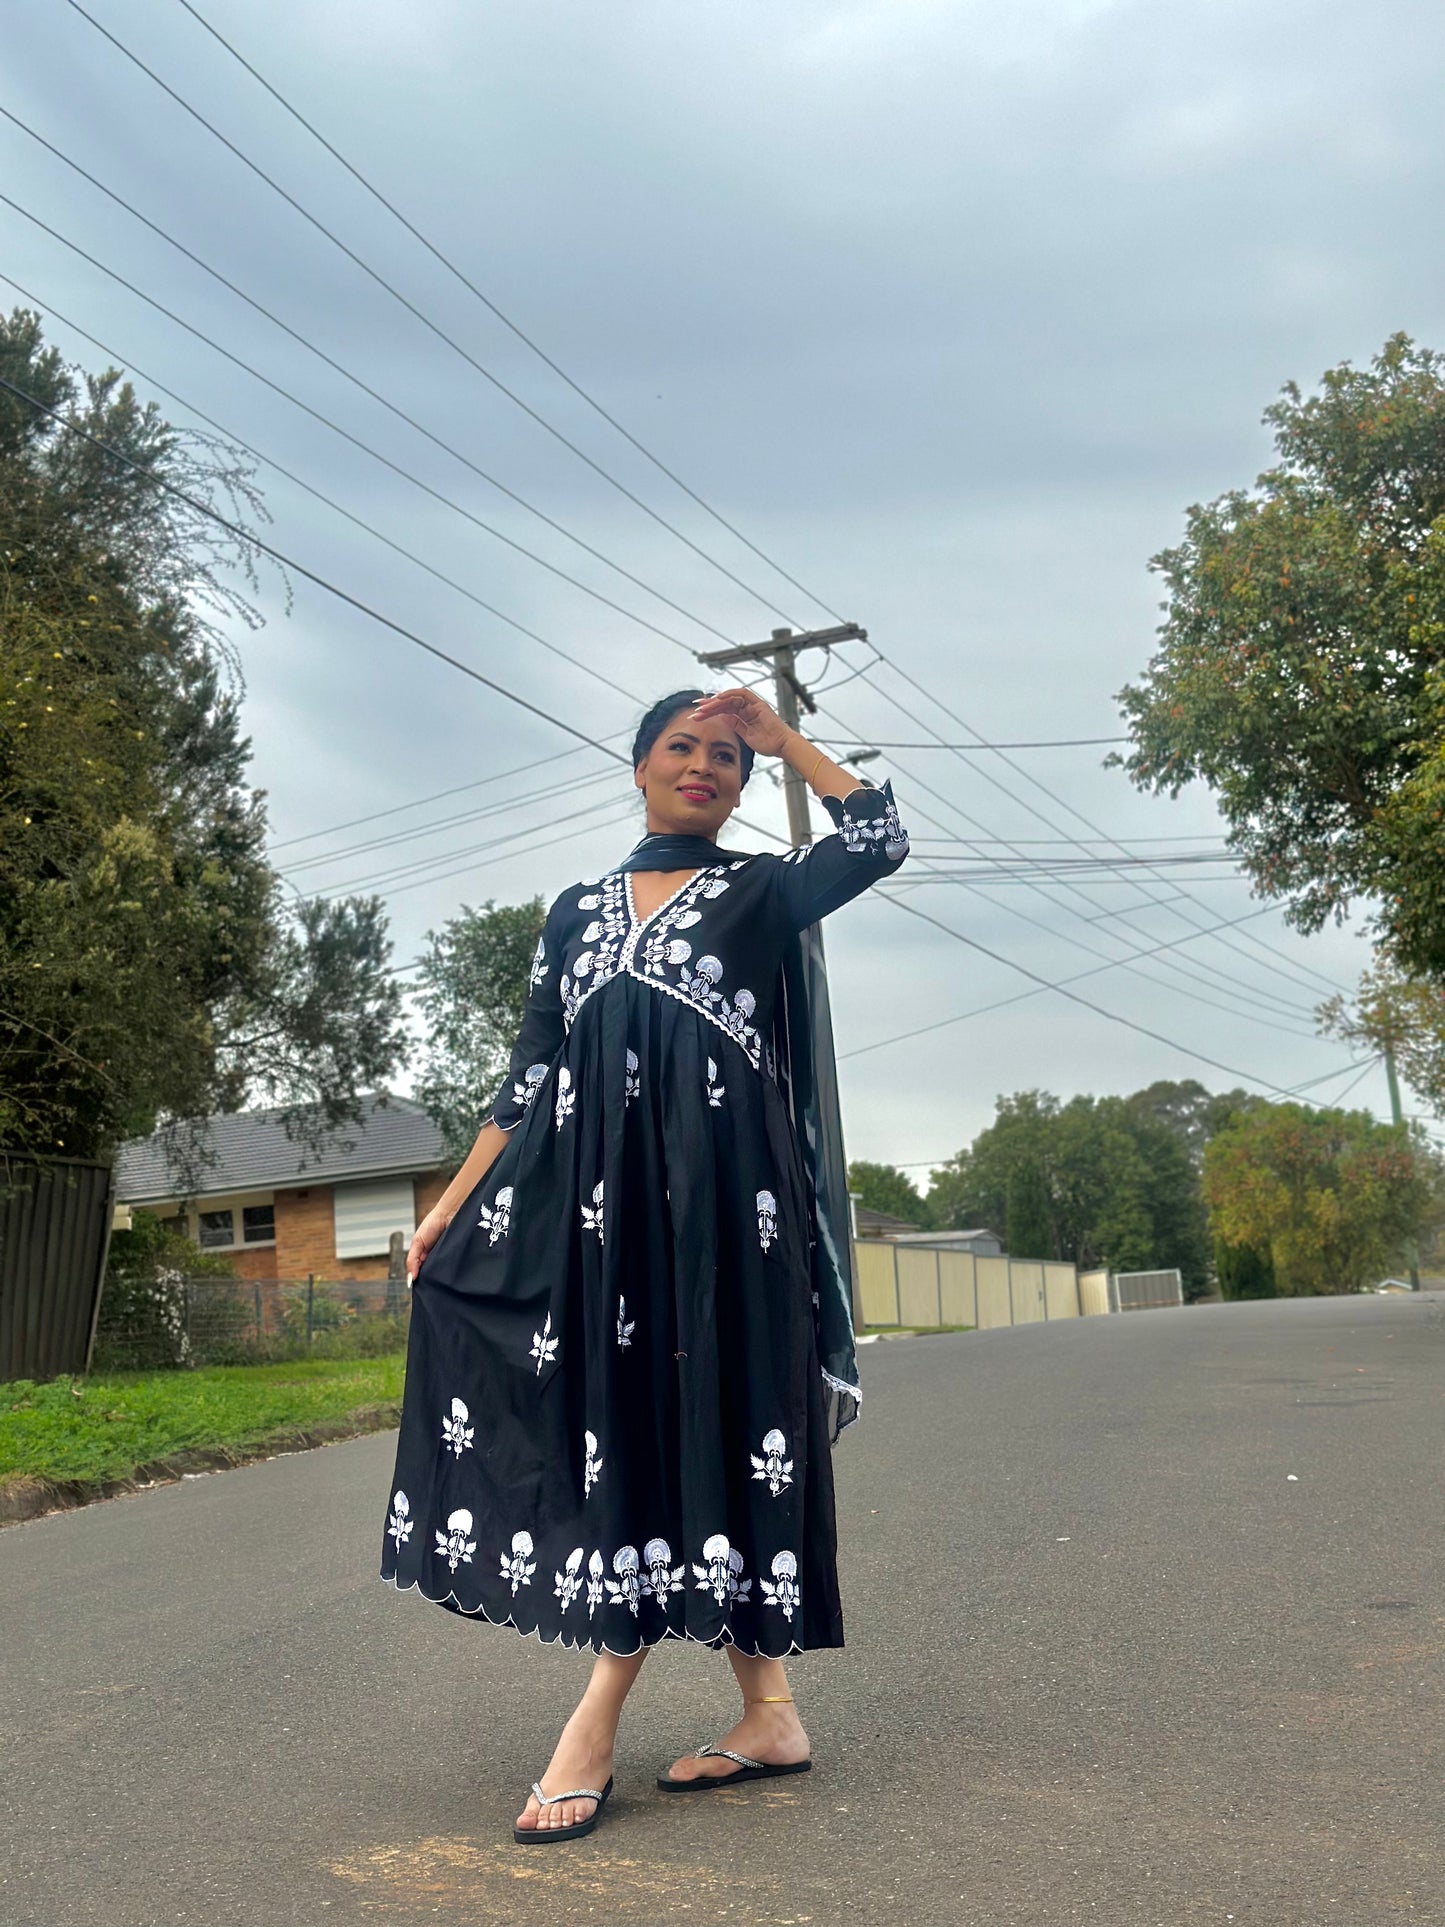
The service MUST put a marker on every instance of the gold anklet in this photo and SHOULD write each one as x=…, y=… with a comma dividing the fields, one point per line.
x=772, y=1699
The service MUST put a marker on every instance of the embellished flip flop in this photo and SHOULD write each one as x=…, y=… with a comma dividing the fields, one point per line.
x=747, y=1770
x=538, y=1836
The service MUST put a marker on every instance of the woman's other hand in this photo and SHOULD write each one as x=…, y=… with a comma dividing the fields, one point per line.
x=427, y=1232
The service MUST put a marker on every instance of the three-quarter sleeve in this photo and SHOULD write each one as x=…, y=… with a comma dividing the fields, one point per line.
x=542, y=1029
x=868, y=844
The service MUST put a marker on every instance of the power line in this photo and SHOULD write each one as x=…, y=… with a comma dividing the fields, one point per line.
x=1073, y=996
x=1214, y=975
x=965, y=749
x=310, y=575
x=317, y=494
x=437, y=796
x=1021, y=996
x=401, y=414
x=542, y=795
x=1273, y=1006
x=409, y=876
x=377, y=534
x=425, y=319
x=1035, y=811
x=505, y=320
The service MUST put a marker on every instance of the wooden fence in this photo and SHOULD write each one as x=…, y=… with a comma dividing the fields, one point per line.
x=55, y=1218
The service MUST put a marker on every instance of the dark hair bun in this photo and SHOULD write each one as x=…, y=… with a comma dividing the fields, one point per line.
x=662, y=712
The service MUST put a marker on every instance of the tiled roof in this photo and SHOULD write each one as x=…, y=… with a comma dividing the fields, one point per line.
x=250, y=1151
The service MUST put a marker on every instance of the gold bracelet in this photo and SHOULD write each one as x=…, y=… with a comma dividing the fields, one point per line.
x=822, y=758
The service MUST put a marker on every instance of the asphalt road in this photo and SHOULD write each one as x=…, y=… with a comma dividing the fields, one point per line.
x=1107, y=1662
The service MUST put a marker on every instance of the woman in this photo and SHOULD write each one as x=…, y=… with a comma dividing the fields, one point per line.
x=629, y=1337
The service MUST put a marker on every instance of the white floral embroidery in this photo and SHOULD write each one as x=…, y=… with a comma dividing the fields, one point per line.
x=661, y=949
x=496, y=1218
x=782, y=1590
x=604, y=936
x=701, y=983
x=524, y=1092
x=633, y=1086
x=626, y=1589
x=772, y=1466
x=735, y=1016
x=566, y=1097
x=594, y=1583
x=454, y=1544
x=715, y=1091
x=721, y=1574
x=767, y=1219
x=895, y=837
x=400, y=1525
x=520, y=1567
x=539, y=965
x=569, y=1581
x=591, y=1465
x=592, y=1215
x=455, y=1430
x=662, y=1576
x=625, y=1325
x=544, y=1346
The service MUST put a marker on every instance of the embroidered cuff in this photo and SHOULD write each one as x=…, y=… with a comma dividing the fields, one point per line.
x=867, y=821
x=518, y=1100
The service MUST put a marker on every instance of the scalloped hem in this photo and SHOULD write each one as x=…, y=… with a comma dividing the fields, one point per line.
x=724, y=1638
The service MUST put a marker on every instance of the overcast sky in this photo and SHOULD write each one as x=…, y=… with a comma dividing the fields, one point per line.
x=952, y=310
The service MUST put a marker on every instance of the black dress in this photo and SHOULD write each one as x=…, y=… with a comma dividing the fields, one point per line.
x=614, y=1428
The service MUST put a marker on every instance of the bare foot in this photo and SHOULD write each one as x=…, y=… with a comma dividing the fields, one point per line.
x=772, y=1734
x=583, y=1758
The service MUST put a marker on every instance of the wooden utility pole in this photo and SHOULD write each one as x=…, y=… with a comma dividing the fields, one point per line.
x=1397, y=1113
x=790, y=697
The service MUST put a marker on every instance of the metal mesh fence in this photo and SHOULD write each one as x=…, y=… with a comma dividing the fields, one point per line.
x=169, y=1319
x=1137, y=1290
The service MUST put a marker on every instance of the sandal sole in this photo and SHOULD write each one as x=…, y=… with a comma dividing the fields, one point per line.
x=707, y=1782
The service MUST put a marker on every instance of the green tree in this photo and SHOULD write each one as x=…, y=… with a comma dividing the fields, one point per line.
x=1243, y=1273
x=1301, y=665
x=1189, y=1111
x=150, y=967
x=1096, y=1181
x=882, y=1187
x=1328, y=1197
x=1405, y=1016
x=472, y=990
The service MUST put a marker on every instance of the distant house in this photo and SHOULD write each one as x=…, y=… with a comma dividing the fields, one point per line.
x=279, y=1211
x=868, y=1223
x=982, y=1243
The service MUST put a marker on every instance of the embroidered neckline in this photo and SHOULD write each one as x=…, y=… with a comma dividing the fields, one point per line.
x=639, y=924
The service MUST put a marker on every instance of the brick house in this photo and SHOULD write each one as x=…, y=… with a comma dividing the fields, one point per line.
x=279, y=1211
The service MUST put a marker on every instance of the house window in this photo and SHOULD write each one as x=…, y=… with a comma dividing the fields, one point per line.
x=258, y=1224
x=367, y=1214
x=218, y=1230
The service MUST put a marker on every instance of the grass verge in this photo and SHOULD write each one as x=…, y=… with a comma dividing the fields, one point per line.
x=76, y=1438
